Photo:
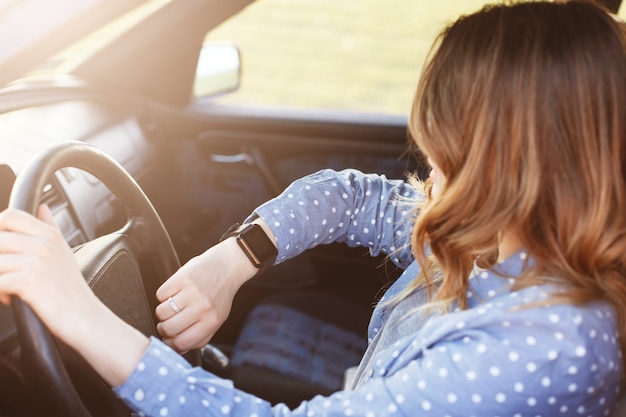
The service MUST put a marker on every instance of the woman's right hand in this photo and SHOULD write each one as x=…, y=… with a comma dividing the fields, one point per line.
x=203, y=290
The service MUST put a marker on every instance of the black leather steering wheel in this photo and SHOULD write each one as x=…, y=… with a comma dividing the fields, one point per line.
x=139, y=253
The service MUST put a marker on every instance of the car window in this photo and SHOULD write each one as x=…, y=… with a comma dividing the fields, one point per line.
x=350, y=55
x=354, y=55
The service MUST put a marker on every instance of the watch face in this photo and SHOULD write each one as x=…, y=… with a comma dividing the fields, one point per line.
x=257, y=245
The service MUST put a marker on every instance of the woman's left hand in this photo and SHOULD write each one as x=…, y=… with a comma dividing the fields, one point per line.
x=38, y=266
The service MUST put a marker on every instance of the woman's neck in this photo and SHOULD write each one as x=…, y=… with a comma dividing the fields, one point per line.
x=509, y=244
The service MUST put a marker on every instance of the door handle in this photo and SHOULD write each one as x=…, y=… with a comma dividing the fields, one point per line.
x=231, y=159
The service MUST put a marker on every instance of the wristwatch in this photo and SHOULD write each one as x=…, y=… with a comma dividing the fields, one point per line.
x=254, y=242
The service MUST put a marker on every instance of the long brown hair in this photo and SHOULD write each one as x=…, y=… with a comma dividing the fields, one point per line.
x=523, y=108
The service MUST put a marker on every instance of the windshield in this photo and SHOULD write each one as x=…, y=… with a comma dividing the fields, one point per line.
x=31, y=31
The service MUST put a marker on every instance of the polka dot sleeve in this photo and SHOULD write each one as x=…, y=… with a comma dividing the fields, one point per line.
x=346, y=206
x=164, y=384
x=488, y=362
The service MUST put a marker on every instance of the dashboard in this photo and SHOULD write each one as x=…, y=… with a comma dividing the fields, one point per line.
x=82, y=206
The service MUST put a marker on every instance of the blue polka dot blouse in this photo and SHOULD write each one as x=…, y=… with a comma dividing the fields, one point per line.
x=503, y=356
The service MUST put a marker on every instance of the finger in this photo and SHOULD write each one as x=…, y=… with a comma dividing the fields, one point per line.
x=176, y=324
x=11, y=261
x=20, y=273
x=21, y=222
x=5, y=299
x=193, y=338
x=8, y=277
x=11, y=242
x=44, y=214
x=168, y=289
x=190, y=316
x=12, y=282
x=193, y=327
x=166, y=310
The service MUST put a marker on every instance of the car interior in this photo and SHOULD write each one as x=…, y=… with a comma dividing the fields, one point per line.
x=191, y=187
x=191, y=190
x=202, y=167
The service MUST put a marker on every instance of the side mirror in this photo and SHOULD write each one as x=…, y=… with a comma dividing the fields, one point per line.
x=218, y=70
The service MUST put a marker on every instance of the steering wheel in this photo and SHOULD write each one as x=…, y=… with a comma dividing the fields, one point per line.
x=138, y=257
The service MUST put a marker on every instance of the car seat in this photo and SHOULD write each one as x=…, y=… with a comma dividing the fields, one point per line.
x=296, y=344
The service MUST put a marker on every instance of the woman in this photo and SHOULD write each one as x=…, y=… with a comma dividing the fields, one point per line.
x=512, y=298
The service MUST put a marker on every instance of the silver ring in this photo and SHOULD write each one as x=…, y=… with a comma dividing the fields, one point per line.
x=173, y=305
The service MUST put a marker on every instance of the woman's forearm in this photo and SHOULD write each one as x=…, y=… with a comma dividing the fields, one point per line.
x=110, y=345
